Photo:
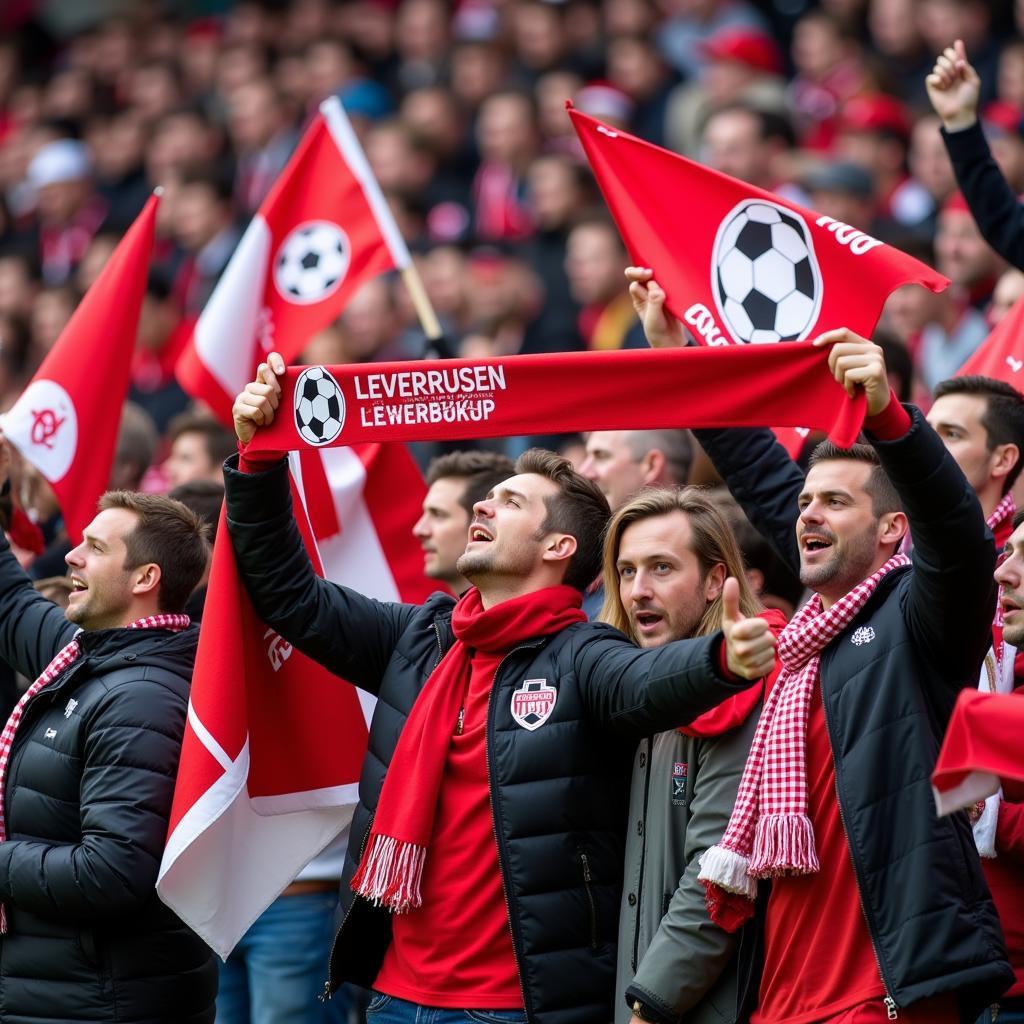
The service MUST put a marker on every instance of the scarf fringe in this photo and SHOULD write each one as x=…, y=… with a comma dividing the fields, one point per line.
x=783, y=845
x=390, y=874
x=728, y=870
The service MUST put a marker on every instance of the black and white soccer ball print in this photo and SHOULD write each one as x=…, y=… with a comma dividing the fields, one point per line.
x=311, y=262
x=765, y=276
x=319, y=406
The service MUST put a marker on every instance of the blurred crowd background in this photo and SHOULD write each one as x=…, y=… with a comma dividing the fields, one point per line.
x=461, y=109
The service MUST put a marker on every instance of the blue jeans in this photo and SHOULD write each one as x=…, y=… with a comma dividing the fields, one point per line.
x=277, y=971
x=390, y=1010
x=1004, y=1017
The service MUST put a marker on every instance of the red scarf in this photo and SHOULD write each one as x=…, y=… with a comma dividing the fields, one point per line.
x=392, y=865
x=787, y=384
x=770, y=832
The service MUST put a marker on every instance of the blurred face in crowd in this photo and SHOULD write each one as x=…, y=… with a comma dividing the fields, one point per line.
x=840, y=538
x=1010, y=577
x=928, y=159
x=733, y=145
x=329, y=66
x=537, y=34
x=102, y=588
x=662, y=586
x=551, y=90
x=611, y=464
x=554, y=191
x=960, y=251
x=957, y=419
x=477, y=71
x=254, y=115
x=1008, y=150
x=58, y=202
x=635, y=67
x=190, y=460
x=442, y=530
x=594, y=262
x=1009, y=288
x=817, y=47
x=843, y=206
x=1010, y=86
x=505, y=129
x=421, y=30
x=199, y=215
x=434, y=119
x=892, y=27
x=368, y=321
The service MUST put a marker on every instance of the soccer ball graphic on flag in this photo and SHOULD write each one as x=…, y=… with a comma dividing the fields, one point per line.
x=319, y=406
x=765, y=276
x=311, y=262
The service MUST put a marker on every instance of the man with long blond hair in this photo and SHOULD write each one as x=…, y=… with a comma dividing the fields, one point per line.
x=667, y=557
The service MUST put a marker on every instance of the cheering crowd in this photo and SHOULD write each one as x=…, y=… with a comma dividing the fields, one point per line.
x=651, y=751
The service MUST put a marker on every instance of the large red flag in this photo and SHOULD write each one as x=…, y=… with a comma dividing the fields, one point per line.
x=1001, y=354
x=66, y=421
x=739, y=264
x=322, y=231
x=981, y=750
x=274, y=743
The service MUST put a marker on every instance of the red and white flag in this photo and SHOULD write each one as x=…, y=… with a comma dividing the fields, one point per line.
x=274, y=743
x=741, y=265
x=1001, y=354
x=66, y=421
x=981, y=750
x=323, y=230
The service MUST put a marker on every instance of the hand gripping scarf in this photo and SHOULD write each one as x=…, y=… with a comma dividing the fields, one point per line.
x=769, y=832
x=391, y=868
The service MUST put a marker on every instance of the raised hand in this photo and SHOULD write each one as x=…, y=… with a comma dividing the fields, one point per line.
x=749, y=643
x=662, y=329
x=856, y=362
x=255, y=406
x=954, y=88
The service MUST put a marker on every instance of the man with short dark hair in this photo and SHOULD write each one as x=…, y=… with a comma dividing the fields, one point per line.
x=877, y=908
x=981, y=422
x=456, y=481
x=488, y=864
x=623, y=462
x=88, y=760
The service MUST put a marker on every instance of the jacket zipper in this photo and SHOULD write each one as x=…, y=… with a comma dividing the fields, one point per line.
x=326, y=993
x=587, y=879
x=494, y=823
x=891, y=1006
x=643, y=853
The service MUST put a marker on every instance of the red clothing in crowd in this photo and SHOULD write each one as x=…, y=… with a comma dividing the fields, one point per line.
x=455, y=950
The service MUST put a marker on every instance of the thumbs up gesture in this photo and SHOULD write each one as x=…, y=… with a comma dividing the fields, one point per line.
x=749, y=644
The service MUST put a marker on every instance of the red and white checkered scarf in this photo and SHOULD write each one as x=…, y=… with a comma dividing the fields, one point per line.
x=65, y=657
x=769, y=832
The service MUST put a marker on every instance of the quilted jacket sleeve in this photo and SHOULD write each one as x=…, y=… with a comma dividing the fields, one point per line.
x=352, y=635
x=32, y=629
x=130, y=762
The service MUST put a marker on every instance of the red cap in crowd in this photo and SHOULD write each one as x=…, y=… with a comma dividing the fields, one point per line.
x=745, y=46
x=875, y=112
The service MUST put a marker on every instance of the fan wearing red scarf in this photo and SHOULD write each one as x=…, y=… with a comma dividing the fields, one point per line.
x=877, y=910
x=490, y=828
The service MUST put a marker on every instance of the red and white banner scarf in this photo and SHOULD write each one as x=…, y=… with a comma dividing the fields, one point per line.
x=391, y=869
x=769, y=832
x=64, y=658
x=788, y=384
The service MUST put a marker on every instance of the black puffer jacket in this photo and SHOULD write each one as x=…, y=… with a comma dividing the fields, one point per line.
x=88, y=794
x=557, y=793
x=889, y=682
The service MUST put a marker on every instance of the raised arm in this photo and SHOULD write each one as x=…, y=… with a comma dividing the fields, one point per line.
x=759, y=473
x=32, y=628
x=954, y=88
x=651, y=690
x=352, y=635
